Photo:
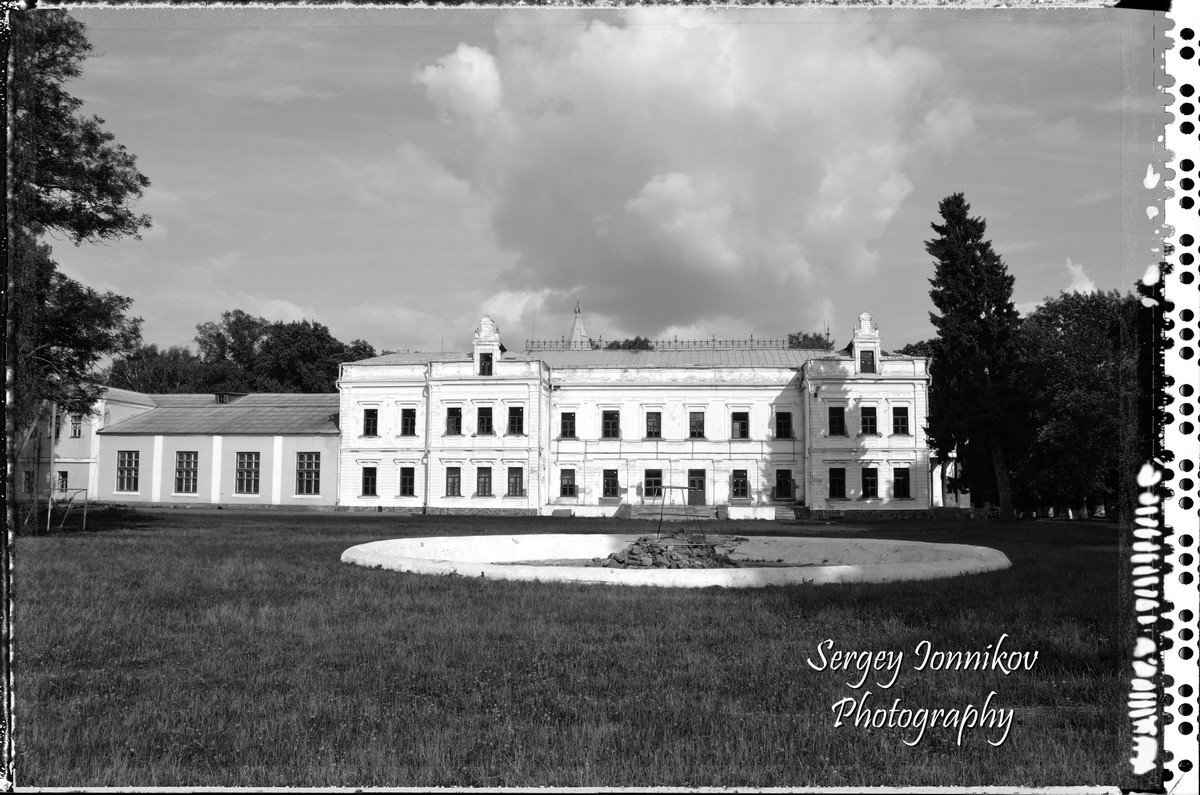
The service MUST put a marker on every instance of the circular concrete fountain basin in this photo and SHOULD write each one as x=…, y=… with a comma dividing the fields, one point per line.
x=765, y=560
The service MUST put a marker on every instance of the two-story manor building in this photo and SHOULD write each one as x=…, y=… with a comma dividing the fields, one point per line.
x=565, y=427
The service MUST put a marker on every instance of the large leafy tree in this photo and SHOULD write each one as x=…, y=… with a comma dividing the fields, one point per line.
x=974, y=406
x=810, y=340
x=634, y=344
x=300, y=357
x=149, y=369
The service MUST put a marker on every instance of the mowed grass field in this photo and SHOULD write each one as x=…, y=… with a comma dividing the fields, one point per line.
x=221, y=648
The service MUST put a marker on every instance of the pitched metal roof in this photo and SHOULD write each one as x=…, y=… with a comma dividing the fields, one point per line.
x=128, y=396
x=257, y=415
x=416, y=357
x=188, y=399
x=701, y=357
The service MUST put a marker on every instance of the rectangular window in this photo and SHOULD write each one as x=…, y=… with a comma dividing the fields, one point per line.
x=870, y=482
x=866, y=361
x=370, y=422
x=483, y=482
x=610, y=425
x=76, y=426
x=485, y=364
x=783, y=425
x=187, y=465
x=567, y=425
x=741, y=425
x=454, y=421
x=246, y=481
x=61, y=481
x=901, y=483
x=869, y=428
x=369, y=481
x=739, y=486
x=837, y=483
x=652, y=483
x=29, y=483
x=566, y=483
x=408, y=481
x=783, y=484
x=483, y=424
x=308, y=473
x=516, y=420
x=516, y=482
x=837, y=420
x=653, y=424
x=900, y=420
x=695, y=424
x=127, y=470
x=408, y=422
x=612, y=486
x=453, y=481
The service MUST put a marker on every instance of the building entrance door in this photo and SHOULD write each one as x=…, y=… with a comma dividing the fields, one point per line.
x=696, y=480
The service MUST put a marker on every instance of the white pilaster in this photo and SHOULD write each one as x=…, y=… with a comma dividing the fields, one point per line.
x=156, y=470
x=216, y=469
x=277, y=471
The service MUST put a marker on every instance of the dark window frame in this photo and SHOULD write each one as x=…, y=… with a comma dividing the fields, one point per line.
x=837, y=428
x=567, y=487
x=654, y=431
x=485, y=364
x=187, y=471
x=484, y=428
x=76, y=426
x=652, y=483
x=788, y=492
x=516, y=421
x=519, y=473
x=454, y=421
x=692, y=428
x=128, y=470
x=483, y=479
x=610, y=424
x=610, y=480
x=566, y=425
x=370, y=422
x=906, y=493
x=744, y=431
x=408, y=422
x=408, y=481
x=453, y=481
x=369, y=481
x=785, y=429
x=739, y=484
x=868, y=421
x=866, y=361
x=837, y=484
x=308, y=473
x=900, y=421
x=870, y=483
x=247, y=472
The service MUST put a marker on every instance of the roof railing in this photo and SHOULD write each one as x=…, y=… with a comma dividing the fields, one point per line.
x=673, y=344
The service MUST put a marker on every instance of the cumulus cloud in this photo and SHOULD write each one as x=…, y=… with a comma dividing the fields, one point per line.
x=465, y=84
x=1080, y=281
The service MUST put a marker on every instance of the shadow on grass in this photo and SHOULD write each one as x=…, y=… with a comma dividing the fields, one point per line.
x=108, y=518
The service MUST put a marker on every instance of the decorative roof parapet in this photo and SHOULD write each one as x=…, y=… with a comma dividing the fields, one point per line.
x=674, y=344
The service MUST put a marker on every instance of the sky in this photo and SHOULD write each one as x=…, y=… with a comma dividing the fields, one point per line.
x=395, y=174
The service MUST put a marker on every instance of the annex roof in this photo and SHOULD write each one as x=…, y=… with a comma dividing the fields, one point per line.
x=128, y=396
x=416, y=357
x=249, y=415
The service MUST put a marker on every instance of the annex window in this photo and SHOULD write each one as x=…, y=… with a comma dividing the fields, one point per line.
x=783, y=425
x=76, y=426
x=60, y=482
x=612, y=486
x=653, y=424
x=516, y=420
x=870, y=482
x=566, y=426
x=370, y=422
x=30, y=482
x=187, y=465
x=610, y=425
x=246, y=474
x=783, y=484
x=408, y=422
x=695, y=424
x=900, y=420
x=483, y=424
x=516, y=482
x=483, y=482
x=739, y=485
x=408, y=481
x=837, y=483
x=454, y=421
x=370, y=481
x=866, y=361
x=741, y=425
x=127, y=470
x=566, y=483
x=901, y=483
x=652, y=483
x=869, y=427
x=485, y=364
x=453, y=481
x=308, y=473
x=837, y=420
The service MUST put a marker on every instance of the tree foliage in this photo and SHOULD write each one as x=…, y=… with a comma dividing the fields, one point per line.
x=923, y=348
x=635, y=344
x=810, y=340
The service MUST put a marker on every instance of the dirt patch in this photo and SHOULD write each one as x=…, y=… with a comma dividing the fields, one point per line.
x=691, y=551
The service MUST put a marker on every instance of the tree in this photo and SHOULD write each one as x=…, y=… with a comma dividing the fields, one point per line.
x=973, y=403
x=635, y=344
x=300, y=357
x=237, y=338
x=923, y=348
x=358, y=350
x=810, y=340
x=148, y=369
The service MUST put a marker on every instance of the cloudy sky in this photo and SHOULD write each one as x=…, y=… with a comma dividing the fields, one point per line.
x=395, y=174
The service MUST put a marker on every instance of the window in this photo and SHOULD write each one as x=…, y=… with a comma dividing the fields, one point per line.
x=483, y=425
x=30, y=482
x=308, y=473
x=369, y=481
x=837, y=420
x=866, y=361
x=653, y=424
x=739, y=486
x=370, y=422
x=408, y=481
x=485, y=364
x=516, y=482
x=783, y=425
x=76, y=426
x=612, y=486
x=695, y=424
x=900, y=420
x=741, y=425
x=516, y=420
x=187, y=464
x=783, y=484
x=868, y=421
x=901, y=483
x=610, y=425
x=61, y=480
x=837, y=483
x=454, y=421
x=567, y=425
x=246, y=480
x=408, y=422
x=870, y=483
x=653, y=483
x=483, y=482
x=127, y=470
x=566, y=483
x=453, y=481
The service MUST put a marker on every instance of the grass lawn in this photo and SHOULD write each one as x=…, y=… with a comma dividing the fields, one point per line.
x=221, y=648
